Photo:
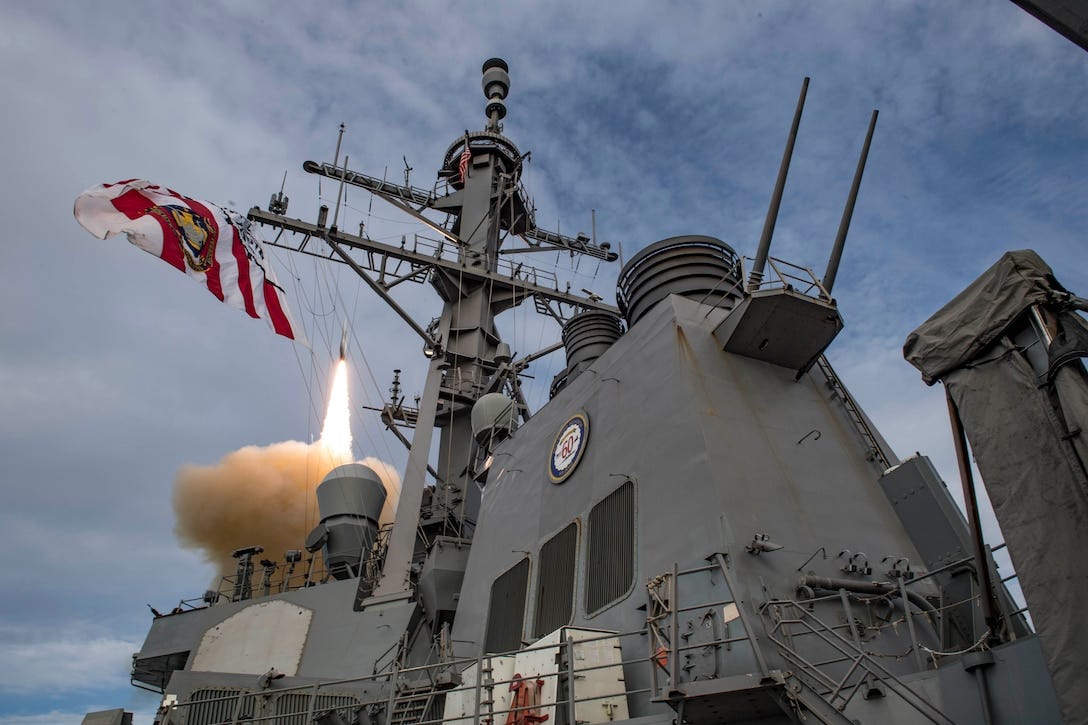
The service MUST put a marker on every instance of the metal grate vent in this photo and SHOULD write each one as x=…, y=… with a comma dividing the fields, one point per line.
x=506, y=611
x=610, y=556
x=555, y=581
x=209, y=707
x=294, y=708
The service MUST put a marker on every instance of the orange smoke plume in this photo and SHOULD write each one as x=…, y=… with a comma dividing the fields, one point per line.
x=264, y=495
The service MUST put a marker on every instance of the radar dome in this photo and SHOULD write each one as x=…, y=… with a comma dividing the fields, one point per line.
x=493, y=415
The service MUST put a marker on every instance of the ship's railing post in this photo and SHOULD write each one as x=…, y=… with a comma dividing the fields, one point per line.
x=651, y=636
x=479, y=684
x=311, y=705
x=391, y=702
x=674, y=633
x=572, y=718
x=914, y=644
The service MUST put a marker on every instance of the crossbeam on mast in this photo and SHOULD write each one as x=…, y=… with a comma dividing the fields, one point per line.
x=476, y=274
x=399, y=196
x=403, y=197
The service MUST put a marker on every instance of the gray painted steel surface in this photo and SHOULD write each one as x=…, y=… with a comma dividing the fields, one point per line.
x=723, y=457
x=697, y=489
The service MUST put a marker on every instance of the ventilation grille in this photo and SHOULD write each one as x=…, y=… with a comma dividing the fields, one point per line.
x=610, y=561
x=506, y=612
x=293, y=708
x=555, y=582
x=220, y=710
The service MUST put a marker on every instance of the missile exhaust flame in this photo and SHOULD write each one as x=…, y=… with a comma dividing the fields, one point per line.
x=266, y=494
x=336, y=430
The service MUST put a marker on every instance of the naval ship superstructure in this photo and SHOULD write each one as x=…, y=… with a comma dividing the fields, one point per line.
x=700, y=526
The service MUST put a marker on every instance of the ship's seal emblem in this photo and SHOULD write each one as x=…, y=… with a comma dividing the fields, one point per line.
x=194, y=234
x=568, y=448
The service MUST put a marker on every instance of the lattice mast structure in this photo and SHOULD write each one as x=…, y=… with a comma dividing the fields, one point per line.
x=479, y=189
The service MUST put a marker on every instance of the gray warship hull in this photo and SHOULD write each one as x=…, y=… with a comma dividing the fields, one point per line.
x=701, y=526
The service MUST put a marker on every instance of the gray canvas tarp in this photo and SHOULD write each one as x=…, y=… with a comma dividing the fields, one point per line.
x=1025, y=432
x=976, y=317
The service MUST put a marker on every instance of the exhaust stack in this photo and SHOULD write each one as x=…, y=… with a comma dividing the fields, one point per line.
x=586, y=337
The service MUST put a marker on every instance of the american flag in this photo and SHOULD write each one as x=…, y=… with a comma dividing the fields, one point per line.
x=462, y=165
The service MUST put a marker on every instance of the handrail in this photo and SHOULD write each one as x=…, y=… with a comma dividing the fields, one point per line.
x=860, y=659
x=788, y=275
x=411, y=693
x=875, y=452
x=393, y=698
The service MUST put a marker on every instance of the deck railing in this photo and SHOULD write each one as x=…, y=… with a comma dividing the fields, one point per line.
x=410, y=694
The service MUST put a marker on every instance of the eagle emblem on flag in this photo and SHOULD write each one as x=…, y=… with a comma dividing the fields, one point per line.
x=193, y=232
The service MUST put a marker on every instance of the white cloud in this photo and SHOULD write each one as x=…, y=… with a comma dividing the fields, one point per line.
x=75, y=658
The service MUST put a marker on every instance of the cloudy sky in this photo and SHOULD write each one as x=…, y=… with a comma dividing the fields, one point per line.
x=667, y=118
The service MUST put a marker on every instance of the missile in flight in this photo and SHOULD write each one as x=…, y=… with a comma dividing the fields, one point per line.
x=344, y=343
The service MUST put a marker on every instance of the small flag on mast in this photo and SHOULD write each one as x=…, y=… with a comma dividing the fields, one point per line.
x=217, y=247
x=462, y=166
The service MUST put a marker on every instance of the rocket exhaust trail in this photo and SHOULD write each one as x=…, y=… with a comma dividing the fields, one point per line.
x=265, y=494
x=336, y=429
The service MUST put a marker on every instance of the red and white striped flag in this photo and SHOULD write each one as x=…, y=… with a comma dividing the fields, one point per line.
x=462, y=165
x=217, y=247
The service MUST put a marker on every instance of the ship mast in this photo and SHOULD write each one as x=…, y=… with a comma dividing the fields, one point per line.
x=481, y=193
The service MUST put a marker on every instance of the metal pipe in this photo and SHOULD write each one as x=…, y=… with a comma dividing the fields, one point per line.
x=391, y=702
x=776, y=198
x=910, y=628
x=311, y=703
x=850, y=618
x=861, y=587
x=572, y=710
x=942, y=569
x=339, y=138
x=1039, y=323
x=479, y=682
x=848, y=212
x=339, y=195
x=989, y=606
x=396, y=573
x=524, y=362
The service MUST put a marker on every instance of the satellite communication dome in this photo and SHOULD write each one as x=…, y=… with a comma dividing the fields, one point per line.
x=493, y=415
